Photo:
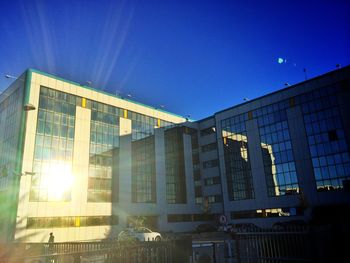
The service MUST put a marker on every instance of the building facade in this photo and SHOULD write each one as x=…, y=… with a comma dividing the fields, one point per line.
x=85, y=164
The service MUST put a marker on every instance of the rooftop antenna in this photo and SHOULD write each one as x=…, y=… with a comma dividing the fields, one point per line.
x=305, y=75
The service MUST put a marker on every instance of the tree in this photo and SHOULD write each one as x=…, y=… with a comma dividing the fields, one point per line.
x=139, y=221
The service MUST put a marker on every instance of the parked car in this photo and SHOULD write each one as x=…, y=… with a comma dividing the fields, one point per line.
x=205, y=228
x=139, y=234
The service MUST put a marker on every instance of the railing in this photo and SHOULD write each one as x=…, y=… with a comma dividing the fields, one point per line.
x=298, y=244
x=271, y=246
x=215, y=251
x=124, y=252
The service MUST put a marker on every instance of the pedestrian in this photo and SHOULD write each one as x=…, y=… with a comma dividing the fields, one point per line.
x=51, y=241
x=51, y=238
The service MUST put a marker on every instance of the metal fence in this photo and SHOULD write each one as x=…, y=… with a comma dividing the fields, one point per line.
x=124, y=252
x=321, y=245
x=215, y=251
x=271, y=246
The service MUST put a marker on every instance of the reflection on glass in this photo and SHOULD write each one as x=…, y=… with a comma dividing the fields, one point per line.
x=276, y=146
x=175, y=166
x=53, y=152
x=143, y=171
x=237, y=162
x=104, y=156
x=280, y=172
x=57, y=180
x=10, y=120
x=143, y=156
x=326, y=138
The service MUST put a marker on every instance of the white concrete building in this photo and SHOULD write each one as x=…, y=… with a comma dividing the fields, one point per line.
x=84, y=164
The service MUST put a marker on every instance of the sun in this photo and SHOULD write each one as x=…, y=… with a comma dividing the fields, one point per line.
x=58, y=180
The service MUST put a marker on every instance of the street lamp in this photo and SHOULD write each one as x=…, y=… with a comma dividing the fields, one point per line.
x=10, y=77
x=21, y=174
x=28, y=107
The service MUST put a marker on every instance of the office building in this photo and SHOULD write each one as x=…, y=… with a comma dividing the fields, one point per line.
x=85, y=164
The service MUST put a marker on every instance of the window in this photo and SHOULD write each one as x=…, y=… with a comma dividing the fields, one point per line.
x=143, y=171
x=173, y=218
x=210, y=164
x=280, y=172
x=53, y=153
x=208, y=147
x=212, y=181
x=332, y=135
x=276, y=147
x=10, y=114
x=71, y=221
x=208, y=131
x=237, y=161
x=326, y=137
x=104, y=156
x=269, y=212
x=214, y=198
x=175, y=166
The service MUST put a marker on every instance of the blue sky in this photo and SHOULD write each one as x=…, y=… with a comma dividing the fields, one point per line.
x=193, y=57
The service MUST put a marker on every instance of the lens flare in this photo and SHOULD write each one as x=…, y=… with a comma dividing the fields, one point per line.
x=58, y=180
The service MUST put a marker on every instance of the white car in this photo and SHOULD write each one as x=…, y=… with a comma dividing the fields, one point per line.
x=139, y=234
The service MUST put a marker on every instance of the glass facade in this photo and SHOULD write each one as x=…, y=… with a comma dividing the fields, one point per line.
x=209, y=147
x=143, y=156
x=70, y=221
x=143, y=171
x=103, y=168
x=175, y=166
x=208, y=131
x=104, y=156
x=198, y=192
x=54, y=143
x=142, y=125
x=268, y=212
x=173, y=218
x=237, y=162
x=212, y=181
x=214, y=199
x=211, y=164
x=326, y=137
x=279, y=166
x=54, y=150
x=10, y=116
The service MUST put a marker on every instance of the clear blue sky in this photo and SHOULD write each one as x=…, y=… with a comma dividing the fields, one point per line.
x=193, y=57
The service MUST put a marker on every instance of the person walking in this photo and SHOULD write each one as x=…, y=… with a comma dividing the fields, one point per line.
x=51, y=241
x=51, y=238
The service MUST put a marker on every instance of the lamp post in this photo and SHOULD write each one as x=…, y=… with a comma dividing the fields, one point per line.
x=10, y=77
